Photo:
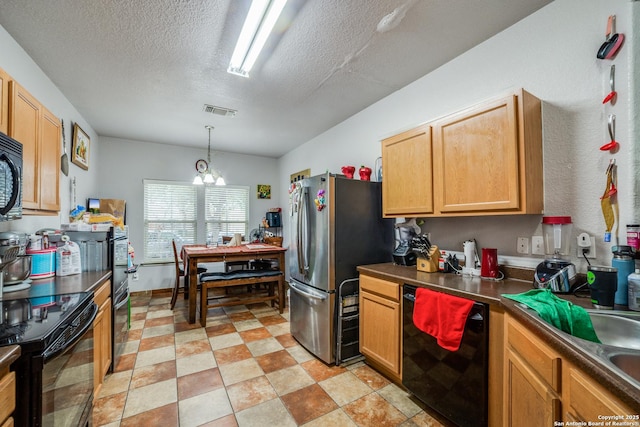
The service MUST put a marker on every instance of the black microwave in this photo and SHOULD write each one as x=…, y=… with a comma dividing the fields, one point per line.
x=10, y=178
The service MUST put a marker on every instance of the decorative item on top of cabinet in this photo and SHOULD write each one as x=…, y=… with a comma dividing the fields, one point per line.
x=488, y=159
x=407, y=184
x=39, y=132
x=380, y=325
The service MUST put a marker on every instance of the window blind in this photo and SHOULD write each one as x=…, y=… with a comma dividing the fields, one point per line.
x=174, y=211
x=170, y=213
x=226, y=211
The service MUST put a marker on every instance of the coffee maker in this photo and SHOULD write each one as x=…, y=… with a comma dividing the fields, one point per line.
x=403, y=253
x=556, y=272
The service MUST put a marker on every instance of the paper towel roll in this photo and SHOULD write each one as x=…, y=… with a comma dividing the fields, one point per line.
x=469, y=253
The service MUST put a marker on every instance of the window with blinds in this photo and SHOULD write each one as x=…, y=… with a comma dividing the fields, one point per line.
x=226, y=211
x=190, y=214
x=170, y=212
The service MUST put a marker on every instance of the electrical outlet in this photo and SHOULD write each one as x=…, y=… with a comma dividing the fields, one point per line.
x=537, y=245
x=135, y=276
x=585, y=241
x=523, y=245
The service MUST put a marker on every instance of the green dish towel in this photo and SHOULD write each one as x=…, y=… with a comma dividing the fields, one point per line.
x=560, y=313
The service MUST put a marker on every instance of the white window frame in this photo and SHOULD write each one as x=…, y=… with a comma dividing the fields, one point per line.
x=183, y=229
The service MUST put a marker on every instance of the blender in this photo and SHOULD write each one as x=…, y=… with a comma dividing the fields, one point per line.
x=556, y=272
x=403, y=253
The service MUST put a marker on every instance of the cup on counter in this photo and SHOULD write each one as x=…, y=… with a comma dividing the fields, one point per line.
x=489, y=264
x=603, y=283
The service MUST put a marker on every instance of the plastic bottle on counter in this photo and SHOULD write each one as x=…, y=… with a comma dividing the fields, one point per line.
x=633, y=283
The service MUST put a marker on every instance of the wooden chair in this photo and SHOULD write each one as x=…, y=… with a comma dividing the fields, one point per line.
x=234, y=265
x=179, y=273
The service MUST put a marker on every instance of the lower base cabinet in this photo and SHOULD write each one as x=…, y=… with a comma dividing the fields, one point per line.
x=102, y=336
x=380, y=325
x=586, y=400
x=542, y=388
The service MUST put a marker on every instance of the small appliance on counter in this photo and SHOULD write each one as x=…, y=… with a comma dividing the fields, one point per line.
x=556, y=272
x=403, y=254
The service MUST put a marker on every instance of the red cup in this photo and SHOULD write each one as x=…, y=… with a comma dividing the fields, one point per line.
x=489, y=265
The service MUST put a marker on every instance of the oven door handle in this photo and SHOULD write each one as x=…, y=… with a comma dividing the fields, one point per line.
x=55, y=350
x=122, y=301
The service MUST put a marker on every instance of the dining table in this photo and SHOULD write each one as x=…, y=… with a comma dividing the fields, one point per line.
x=196, y=254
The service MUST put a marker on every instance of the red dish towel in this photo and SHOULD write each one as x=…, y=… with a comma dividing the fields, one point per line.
x=442, y=316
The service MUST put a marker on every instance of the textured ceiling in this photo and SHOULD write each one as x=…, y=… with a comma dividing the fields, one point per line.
x=143, y=69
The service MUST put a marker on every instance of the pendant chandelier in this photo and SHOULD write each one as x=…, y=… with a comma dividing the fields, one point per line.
x=206, y=173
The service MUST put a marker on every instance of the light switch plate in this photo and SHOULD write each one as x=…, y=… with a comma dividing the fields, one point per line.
x=523, y=245
x=537, y=245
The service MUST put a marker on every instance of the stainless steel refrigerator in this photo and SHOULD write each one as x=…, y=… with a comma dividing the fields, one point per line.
x=336, y=225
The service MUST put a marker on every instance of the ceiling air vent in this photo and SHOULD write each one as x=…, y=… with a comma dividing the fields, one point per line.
x=219, y=111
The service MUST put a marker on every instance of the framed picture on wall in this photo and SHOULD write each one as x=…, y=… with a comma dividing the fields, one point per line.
x=264, y=191
x=80, y=147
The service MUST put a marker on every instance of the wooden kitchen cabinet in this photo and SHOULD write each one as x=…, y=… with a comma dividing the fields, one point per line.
x=532, y=377
x=407, y=184
x=4, y=101
x=39, y=132
x=380, y=325
x=485, y=160
x=540, y=387
x=8, y=355
x=488, y=159
x=102, y=335
x=585, y=400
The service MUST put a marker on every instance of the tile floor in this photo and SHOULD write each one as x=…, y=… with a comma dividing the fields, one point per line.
x=243, y=369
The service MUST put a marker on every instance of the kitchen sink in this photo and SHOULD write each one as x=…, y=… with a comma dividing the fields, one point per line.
x=629, y=363
x=619, y=333
x=617, y=328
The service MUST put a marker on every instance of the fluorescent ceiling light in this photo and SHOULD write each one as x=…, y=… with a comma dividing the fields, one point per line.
x=261, y=18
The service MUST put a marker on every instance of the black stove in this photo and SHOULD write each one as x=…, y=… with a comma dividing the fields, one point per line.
x=32, y=318
x=54, y=333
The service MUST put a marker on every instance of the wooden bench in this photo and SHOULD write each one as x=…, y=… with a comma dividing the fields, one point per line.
x=240, y=278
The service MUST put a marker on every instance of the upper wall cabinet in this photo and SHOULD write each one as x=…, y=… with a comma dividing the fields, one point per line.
x=39, y=132
x=4, y=102
x=486, y=160
x=407, y=184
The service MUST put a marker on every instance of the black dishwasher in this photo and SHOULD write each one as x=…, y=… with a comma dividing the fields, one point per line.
x=452, y=383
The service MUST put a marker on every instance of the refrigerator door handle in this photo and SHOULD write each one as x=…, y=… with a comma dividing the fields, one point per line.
x=302, y=237
x=307, y=294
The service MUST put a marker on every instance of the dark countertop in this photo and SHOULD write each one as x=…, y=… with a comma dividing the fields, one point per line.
x=489, y=291
x=8, y=355
x=87, y=281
